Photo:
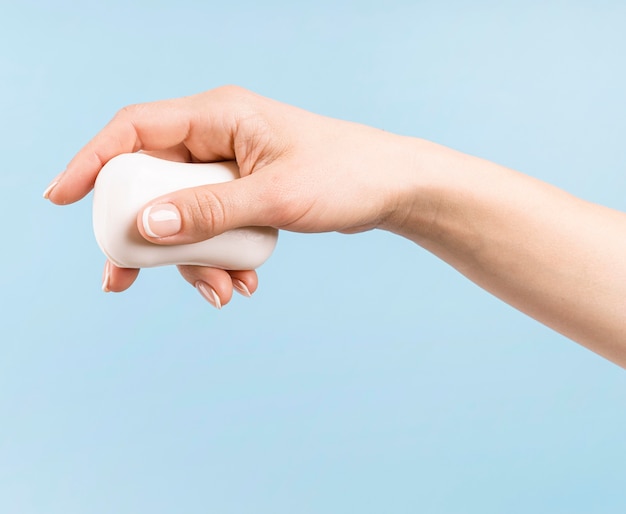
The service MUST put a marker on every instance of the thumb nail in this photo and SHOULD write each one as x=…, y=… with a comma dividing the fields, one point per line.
x=161, y=220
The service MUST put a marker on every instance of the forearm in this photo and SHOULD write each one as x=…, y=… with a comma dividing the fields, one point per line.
x=555, y=257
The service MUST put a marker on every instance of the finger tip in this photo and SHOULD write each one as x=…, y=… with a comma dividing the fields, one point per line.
x=116, y=280
x=210, y=294
x=242, y=288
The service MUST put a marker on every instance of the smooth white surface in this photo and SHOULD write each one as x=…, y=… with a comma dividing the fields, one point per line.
x=129, y=181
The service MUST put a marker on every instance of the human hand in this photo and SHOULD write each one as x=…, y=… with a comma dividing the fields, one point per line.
x=300, y=171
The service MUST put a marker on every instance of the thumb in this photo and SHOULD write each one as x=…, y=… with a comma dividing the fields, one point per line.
x=199, y=213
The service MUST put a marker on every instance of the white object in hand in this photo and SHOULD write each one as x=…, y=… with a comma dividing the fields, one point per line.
x=129, y=181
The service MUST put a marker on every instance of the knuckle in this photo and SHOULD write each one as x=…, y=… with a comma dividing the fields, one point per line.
x=207, y=212
x=128, y=112
x=231, y=90
x=239, y=98
x=126, y=121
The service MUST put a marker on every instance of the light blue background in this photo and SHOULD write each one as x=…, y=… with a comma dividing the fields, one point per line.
x=365, y=375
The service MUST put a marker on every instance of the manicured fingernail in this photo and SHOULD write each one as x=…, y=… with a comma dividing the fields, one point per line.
x=161, y=220
x=241, y=287
x=107, y=277
x=52, y=185
x=209, y=294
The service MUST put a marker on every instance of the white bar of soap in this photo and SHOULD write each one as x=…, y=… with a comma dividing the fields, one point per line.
x=129, y=181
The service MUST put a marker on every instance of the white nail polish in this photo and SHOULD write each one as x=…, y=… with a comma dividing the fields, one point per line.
x=107, y=277
x=52, y=185
x=241, y=287
x=161, y=220
x=209, y=294
x=46, y=193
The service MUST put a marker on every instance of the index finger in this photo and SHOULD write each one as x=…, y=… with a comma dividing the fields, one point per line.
x=205, y=125
x=150, y=126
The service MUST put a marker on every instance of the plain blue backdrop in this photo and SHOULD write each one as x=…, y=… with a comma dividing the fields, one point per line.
x=365, y=375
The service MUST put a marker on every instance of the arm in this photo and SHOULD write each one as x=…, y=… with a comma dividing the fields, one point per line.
x=551, y=255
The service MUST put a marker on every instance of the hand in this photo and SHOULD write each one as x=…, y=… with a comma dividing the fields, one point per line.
x=547, y=253
x=300, y=172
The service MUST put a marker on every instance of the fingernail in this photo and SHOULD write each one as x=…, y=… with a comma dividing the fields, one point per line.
x=161, y=220
x=52, y=185
x=241, y=287
x=209, y=294
x=106, y=277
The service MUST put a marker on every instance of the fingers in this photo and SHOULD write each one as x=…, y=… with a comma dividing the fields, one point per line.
x=201, y=125
x=245, y=282
x=116, y=279
x=196, y=214
x=141, y=127
x=216, y=286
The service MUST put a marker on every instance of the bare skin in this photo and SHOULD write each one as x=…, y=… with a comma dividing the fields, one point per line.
x=553, y=256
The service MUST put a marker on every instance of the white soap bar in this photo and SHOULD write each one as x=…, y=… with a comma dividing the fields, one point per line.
x=129, y=181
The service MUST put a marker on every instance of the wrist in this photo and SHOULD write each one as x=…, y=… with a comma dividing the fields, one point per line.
x=423, y=181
